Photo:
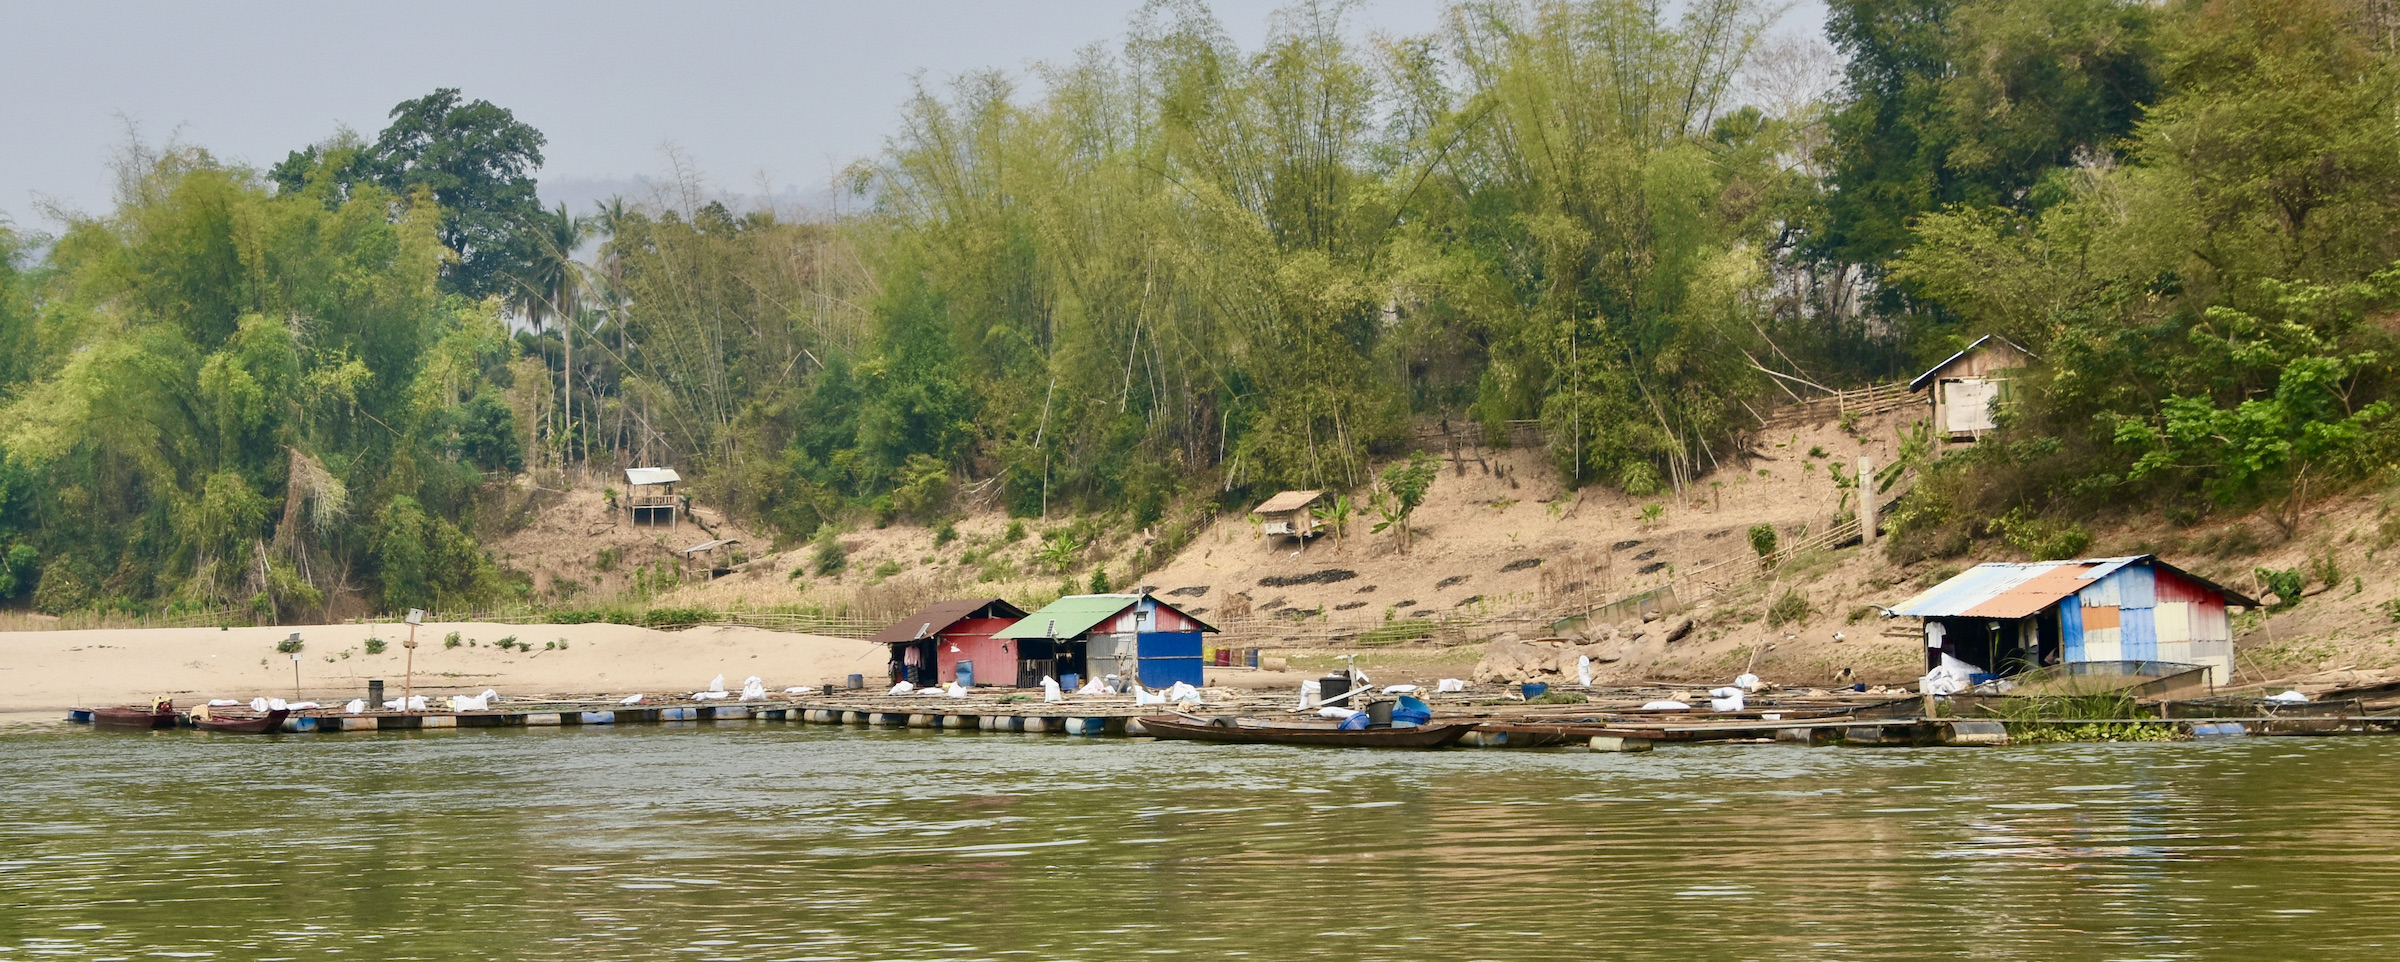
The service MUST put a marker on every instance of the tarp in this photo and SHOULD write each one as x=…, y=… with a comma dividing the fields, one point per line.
x=651, y=476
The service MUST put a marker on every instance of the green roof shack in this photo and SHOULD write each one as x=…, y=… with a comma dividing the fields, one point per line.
x=1135, y=637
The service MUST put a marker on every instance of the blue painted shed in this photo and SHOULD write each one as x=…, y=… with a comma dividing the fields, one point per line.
x=2006, y=617
x=1136, y=637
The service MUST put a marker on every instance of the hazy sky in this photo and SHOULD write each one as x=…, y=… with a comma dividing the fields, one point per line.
x=784, y=91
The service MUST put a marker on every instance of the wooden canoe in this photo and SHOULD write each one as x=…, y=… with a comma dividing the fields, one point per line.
x=267, y=724
x=135, y=717
x=1250, y=731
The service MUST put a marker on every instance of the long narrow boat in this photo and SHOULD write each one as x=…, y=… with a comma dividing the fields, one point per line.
x=1251, y=731
x=160, y=714
x=266, y=724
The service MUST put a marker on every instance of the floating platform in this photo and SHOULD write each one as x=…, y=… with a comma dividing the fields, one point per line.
x=1880, y=722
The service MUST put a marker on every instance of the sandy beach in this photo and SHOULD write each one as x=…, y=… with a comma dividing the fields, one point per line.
x=45, y=671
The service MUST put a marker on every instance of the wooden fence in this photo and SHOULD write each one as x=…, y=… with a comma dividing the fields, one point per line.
x=839, y=626
x=1860, y=402
x=85, y=620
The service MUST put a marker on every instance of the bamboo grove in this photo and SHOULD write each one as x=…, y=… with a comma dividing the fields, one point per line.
x=1173, y=270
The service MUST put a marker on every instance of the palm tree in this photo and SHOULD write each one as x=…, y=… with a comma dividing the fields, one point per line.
x=552, y=289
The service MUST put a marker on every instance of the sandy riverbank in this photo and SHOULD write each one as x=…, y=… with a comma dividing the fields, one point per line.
x=43, y=671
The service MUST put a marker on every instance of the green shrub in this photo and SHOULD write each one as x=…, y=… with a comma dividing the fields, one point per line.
x=2039, y=538
x=676, y=617
x=1099, y=584
x=376, y=646
x=829, y=557
x=1791, y=608
x=945, y=534
x=289, y=645
x=452, y=640
x=1014, y=534
x=1557, y=698
x=2325, y=570
x=2285, y=584
x=1762, y=539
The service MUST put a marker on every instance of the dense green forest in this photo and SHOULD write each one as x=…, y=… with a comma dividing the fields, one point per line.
x=1173, y=271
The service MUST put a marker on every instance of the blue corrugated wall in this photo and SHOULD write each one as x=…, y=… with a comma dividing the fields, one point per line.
x=2070, y=628
x=2141, y=634
x=1168, y=657
x=2137, y=601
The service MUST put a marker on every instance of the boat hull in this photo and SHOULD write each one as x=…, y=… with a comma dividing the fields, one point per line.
x=130, y=718
x=1234, y=733
x=267, y=724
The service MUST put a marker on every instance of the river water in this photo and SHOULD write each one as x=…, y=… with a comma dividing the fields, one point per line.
x=767, y=841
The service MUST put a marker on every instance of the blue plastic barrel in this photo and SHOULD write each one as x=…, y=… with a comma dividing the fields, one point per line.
x=1535, y=689
x=1069, y=681
x=1411, y=712
x=966, y=674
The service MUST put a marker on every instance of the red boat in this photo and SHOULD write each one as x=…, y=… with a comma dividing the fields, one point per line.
x=267, y=724
x=160, y=714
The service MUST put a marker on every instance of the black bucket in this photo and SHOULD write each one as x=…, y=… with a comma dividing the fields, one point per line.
x=1333, y=686
x=1379, y=714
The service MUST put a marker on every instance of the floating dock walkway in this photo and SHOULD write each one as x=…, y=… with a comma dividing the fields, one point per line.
x=1855, y=723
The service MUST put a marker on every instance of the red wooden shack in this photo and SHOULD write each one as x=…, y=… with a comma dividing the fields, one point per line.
x=929, y=647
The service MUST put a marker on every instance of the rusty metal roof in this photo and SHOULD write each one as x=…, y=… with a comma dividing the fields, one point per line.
x=934, y=619
x=2004, y=589
x=2033, y=594
x=1984, y=583
x=1287, y=501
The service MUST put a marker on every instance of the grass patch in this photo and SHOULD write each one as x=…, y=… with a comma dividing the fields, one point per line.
x=2033, y=720
x=1415, y=629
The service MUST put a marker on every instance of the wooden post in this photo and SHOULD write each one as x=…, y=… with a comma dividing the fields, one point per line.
x=1866, y=500
x=408, y=682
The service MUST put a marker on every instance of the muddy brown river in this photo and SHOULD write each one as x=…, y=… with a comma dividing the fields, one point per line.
x=777, y=842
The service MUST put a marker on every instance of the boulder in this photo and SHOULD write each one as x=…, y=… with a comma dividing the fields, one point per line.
x=1509, y=660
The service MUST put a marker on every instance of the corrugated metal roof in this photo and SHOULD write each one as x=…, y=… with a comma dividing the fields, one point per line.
x=707, y=545
x=1928, y=376
x=2108, y=566
x=1970, y=588
x=1287, y=501
x=2003, y=589
x=2033, y=594
x=1069, y=616
x=938, y=617
x=651, y=476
